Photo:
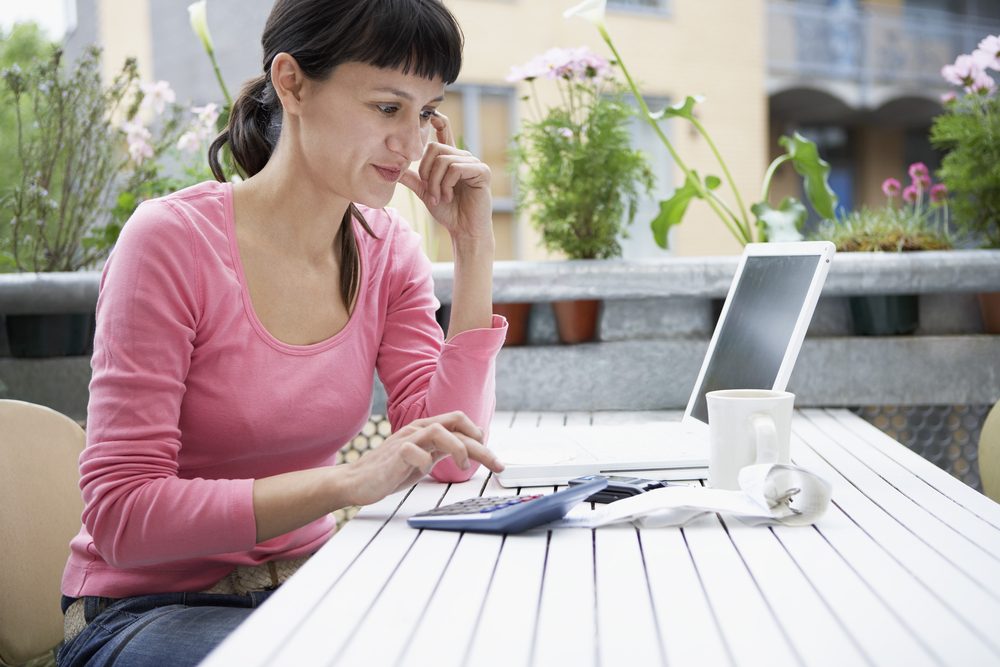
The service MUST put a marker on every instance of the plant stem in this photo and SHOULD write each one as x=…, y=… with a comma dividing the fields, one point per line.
x=765, y=189
x=725, y=170
x=702, y=190
x=218, y=77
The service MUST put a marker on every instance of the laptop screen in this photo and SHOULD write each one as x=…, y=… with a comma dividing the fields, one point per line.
x=758, y=325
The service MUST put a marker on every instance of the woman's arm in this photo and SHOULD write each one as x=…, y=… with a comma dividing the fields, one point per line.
x=455, y=187
x=285, y=502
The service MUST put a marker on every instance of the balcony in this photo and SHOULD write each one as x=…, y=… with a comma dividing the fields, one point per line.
x=866, y=55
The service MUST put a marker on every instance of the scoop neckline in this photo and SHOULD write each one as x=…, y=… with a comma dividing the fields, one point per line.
x=258, y=326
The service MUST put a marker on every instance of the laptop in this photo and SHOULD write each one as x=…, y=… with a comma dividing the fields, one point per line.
x=756, y=341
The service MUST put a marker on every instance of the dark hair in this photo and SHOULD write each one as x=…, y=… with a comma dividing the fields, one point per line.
x=418, y=36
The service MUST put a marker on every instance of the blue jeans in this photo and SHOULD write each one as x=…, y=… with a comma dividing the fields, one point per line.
x=167, y=628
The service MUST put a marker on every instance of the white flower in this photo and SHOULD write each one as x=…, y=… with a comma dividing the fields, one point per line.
x=189, y=142
x=156, y=96
x=137, y=137
x=988, y=53
x=198, y=13
x=207, y=115
x=591, y=10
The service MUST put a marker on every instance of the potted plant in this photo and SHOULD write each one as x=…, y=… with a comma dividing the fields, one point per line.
x=87, y=154
x=576, y=170
x=758, y=222
x=968, y=131
x=918, y=222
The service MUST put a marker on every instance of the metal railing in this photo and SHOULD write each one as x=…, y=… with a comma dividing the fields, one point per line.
x=868, y=45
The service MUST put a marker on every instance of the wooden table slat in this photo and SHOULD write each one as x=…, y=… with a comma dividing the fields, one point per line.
x=953, y=489
x=937, y=600
x=320, y=637
x=626, y=619
x=808, y=623
x=746, y=620
x=907, y=483
x=401, y=604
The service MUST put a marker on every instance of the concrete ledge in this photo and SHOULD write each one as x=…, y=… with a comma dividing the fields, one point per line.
x=851, y=273
x=659, y=374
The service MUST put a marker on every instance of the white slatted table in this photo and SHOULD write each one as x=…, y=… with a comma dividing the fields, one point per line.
x=904, y=569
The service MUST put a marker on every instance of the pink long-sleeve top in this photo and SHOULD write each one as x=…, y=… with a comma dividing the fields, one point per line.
x=191, y=399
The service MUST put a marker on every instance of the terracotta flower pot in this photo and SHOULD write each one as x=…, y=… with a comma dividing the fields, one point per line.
x=989, y=306
x=576, y=320
x=517, y=321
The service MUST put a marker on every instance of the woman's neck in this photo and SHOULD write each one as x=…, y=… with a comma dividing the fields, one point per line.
x=282, y=207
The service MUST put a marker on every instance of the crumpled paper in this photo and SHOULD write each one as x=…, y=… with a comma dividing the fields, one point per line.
x=770, y=493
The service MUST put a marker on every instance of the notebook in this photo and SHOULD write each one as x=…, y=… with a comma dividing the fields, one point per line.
x=755, y=344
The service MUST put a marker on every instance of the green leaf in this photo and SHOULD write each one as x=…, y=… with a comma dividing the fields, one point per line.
x=672, y=211
x=712, y=182
x=783, y=223
x=683, y=109
x=815, y=172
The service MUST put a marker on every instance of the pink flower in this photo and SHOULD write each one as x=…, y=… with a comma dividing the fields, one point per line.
x=891, y=187
x=911, y=194
x=939, y=193
x=566, y=133
x=982, y=84
x=556, y=63
x=948, y=98
x=963, y=72
x=919, y=173
x=988, y=53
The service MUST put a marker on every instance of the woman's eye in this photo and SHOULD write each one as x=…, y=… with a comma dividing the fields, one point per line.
x=426, y=114
x=387, y=109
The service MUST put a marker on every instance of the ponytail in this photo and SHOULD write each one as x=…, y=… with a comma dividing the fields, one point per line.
x=254, y=126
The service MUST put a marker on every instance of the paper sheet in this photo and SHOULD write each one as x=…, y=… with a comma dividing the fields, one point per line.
x=770, y=493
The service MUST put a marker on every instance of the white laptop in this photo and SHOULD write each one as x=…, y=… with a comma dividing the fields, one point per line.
x=755, y=344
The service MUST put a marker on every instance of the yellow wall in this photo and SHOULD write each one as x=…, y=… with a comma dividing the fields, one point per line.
x=124, y=30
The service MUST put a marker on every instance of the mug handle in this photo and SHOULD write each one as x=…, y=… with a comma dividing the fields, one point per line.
x=766, y=436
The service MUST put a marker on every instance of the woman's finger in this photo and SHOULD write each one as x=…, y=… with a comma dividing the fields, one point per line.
x=412, y=180
x=473, y=173
x=416, y=456
x=455, y=420
x=479, y=452
x=442, y=128
x=443, y=166
x=436, y=437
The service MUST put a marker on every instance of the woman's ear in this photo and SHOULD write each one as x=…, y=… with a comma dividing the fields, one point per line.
x=288, y=81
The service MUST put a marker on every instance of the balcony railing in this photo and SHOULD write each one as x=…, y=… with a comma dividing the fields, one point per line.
x=868, y=45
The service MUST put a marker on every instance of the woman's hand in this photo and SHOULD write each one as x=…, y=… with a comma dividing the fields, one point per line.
x=454, y=185
x=410, y=453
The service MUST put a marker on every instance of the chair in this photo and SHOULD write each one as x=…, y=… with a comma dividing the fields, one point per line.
x=40, y=509
x=989, y=453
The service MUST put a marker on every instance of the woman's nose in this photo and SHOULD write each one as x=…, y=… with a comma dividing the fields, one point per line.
x=408, y=140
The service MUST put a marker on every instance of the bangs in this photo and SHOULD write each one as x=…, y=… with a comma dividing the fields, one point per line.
x=417, y=38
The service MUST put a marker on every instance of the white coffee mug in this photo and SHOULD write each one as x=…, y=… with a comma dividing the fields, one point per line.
x=746, y=426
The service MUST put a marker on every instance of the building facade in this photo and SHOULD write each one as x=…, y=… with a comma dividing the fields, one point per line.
x=860, y=78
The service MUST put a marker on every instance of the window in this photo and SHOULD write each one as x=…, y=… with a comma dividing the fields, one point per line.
x=640, y=243
x=653, y=5
x=482, y=118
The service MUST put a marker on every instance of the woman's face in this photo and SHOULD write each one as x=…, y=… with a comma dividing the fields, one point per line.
x=362, y=126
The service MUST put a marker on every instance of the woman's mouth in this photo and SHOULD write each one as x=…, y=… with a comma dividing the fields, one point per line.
x=388, y=173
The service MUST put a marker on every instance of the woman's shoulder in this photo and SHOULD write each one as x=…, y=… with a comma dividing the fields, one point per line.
x=179, y=221
x=395, y=254
x=394, y=235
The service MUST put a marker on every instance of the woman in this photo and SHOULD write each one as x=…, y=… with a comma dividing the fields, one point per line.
x=239, y=326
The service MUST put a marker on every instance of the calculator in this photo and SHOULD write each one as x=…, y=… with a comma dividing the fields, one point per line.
x=505, y=514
